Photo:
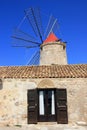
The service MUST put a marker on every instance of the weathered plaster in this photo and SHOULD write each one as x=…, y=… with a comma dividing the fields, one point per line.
x=13, y=98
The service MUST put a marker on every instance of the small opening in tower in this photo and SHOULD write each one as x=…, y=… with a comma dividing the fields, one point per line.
x=63, y=47
x=41, y=48
x=1, y=85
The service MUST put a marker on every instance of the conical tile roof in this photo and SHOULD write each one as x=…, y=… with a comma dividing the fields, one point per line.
x=51, y=38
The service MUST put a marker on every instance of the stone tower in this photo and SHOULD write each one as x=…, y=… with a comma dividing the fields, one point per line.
x=53, y=51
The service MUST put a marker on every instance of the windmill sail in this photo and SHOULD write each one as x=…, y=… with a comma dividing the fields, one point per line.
x=52, y=26
x=23, y=39
x=35, y=59
x=33, y=15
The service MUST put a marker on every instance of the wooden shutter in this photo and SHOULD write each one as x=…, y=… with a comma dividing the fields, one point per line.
x=32, y=106
x=61, y=103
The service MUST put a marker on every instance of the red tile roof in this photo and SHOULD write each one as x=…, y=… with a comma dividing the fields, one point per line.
x=51, y=38
x=53, y=71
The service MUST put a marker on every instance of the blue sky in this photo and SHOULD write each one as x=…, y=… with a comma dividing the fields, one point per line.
x=72, y=18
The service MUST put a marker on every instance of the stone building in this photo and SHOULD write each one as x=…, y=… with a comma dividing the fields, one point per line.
x=51, y=92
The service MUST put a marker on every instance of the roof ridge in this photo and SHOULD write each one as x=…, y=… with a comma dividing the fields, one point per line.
x=43, y=65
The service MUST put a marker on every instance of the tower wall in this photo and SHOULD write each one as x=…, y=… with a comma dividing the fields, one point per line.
x=53, y=53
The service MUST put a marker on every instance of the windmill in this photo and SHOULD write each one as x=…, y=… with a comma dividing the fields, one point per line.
x=26, y=40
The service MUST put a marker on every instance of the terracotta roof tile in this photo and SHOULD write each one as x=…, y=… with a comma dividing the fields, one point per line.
x=53, y=71
x=51, y=38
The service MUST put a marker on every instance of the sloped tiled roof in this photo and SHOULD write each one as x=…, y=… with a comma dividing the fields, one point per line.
x=53, y=71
